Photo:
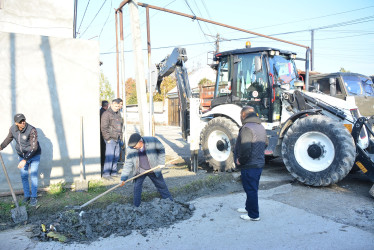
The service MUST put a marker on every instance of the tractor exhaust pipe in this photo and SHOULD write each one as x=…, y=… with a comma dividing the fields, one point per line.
x=307, y=60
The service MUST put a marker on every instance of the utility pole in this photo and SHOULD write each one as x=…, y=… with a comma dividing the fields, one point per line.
x=75, y=18
x=139, y=68
x=312, y=51
x=217, y=42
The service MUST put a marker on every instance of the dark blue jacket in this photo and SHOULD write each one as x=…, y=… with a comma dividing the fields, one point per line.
x=251, y=144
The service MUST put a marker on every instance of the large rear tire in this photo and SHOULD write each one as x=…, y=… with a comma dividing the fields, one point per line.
x=318, y=151
x=218, y=142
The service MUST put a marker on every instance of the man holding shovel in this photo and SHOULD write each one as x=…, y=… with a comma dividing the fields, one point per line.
x=143, y=154
x=29, y=151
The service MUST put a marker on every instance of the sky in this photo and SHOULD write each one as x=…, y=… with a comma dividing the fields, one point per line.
x=343, y=31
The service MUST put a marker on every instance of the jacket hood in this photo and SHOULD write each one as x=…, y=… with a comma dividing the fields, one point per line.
x=252, y=118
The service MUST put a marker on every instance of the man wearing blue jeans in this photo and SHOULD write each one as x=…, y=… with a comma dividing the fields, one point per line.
x=249, y=157
x=29, y=151
x=111, y=129
x=143, y=154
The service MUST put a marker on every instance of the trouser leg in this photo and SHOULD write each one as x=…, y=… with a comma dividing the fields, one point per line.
x=115, y=158
x=160, y=184
x=25, y=179
x=34, y=166
x=109, y=155
x=138, y=186
x=250, y=180
x=102, y=153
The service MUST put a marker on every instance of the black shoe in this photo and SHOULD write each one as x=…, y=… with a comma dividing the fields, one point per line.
x=25, y=200
x=33, y=202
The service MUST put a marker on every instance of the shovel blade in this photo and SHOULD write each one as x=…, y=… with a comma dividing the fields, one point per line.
x=19, y=214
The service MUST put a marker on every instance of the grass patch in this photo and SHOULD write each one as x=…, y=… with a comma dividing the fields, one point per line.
x=57, y=189
x=96, y=187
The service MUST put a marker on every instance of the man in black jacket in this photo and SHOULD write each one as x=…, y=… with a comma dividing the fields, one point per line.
x=111, y=128
x=249, y=157
x=29, y=151
x=104, y=107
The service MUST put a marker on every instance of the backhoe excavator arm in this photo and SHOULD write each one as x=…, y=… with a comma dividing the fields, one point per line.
x=175, y=62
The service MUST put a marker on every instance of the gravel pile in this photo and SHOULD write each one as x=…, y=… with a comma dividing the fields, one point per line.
x=118, y=219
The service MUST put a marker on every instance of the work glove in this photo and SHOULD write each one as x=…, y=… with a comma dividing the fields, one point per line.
x=122, y=184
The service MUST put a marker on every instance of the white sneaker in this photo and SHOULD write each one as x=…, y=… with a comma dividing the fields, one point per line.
x=246, y=217
x=241, y=210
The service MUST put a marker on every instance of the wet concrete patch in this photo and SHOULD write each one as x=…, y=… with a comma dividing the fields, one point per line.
x=117, y=219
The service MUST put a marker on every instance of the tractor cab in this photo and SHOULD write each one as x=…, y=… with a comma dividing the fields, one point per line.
x=255, y=77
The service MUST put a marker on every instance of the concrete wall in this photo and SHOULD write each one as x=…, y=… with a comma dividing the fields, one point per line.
x=160, y=113
x=42, y=17
x=53, y=81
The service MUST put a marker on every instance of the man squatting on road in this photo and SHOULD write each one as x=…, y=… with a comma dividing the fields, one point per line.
x=143, y=154
x=29, y=151
x=249, y=157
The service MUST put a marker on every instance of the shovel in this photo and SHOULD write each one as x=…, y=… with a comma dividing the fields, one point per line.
x=19, y=214
x=116, y=186
x=120, y=185
x=82, y=184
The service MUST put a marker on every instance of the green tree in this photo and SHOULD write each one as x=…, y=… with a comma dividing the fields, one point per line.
x=343, y=70
x=205, y=82
x=167, y=84
x=106, y=92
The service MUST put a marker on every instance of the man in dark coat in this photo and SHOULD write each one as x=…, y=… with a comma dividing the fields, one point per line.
x=249, y=157
x=29, y=151
x=104, y=107
x=111, y=128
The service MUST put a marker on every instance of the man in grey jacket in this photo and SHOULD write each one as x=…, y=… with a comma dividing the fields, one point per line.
x=143, y=154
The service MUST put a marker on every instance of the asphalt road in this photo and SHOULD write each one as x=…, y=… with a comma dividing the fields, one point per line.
x=293, y=216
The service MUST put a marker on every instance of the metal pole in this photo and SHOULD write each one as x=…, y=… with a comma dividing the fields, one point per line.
x=75, y=19
x=220, y=24
x=312, y=52
x=123, y=78
x=151, y=118
x=139, y=68
x=117, y=53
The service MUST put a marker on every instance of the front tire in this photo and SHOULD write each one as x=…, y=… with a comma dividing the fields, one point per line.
x=318, y=151
x=218, y=140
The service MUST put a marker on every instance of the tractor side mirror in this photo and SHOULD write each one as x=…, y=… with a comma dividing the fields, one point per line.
x=258, y=64
x=332, y=82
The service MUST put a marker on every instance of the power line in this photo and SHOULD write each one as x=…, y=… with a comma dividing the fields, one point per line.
x=201, y=15
x=163, y=47
x=351, y=22
x=84, y=14
x=93, y=19
x=313, y=18
x=198, y=22
x=110, y=9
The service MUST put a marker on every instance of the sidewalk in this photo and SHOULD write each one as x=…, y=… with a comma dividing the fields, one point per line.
x=216, y=225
